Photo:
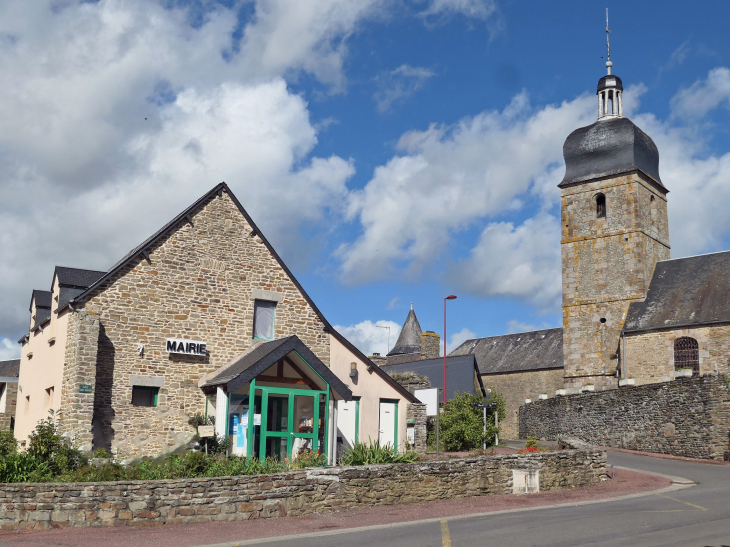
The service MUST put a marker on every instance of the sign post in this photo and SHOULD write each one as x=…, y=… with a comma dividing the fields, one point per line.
x=438, y=428
x=205, y=431
x=491, y=406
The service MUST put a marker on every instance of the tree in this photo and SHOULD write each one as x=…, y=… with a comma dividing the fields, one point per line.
x=462, y=425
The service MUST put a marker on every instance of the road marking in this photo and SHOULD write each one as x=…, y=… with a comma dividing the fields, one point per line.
x=685, y=502
x=445, y=537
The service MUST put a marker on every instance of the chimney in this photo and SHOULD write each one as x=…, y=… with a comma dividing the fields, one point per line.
x=430, y=345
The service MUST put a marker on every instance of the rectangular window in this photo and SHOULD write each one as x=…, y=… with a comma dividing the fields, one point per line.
x=263, y=320
x=48, y=399
x=144, y=395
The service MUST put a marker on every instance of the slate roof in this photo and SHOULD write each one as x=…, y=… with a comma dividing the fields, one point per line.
x=187, y=215
x=75, y=277
x=43, y=300
x=684, y=292
x=608, y=148
x=522, y=352
x=409, y=339
x=10, y=369
x=460, y=373
x=254, y=362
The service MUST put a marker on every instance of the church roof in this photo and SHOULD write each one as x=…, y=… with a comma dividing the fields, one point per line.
x=409, y=339
x=684, y=292
x=609, y=147
x=522, y=352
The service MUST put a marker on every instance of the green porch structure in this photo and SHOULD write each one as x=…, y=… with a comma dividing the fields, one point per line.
x=276, y=400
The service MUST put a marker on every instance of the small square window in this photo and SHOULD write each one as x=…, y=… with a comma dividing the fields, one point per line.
x=48, y=399
x=263, y=320
x=144, y=396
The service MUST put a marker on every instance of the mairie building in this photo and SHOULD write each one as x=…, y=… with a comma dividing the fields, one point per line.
x=205, y=318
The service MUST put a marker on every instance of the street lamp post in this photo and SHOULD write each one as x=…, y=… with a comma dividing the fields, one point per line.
x=450, y=297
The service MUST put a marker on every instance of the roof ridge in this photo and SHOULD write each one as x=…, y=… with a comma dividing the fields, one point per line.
x=693, y=256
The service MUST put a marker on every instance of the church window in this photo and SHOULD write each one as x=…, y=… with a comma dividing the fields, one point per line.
x=687, y=354
x=600, y=206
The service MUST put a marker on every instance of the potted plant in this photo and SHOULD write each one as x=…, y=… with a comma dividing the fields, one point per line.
x=684, y=372
x=589, y=387
x=561, y=391
x=542, y=396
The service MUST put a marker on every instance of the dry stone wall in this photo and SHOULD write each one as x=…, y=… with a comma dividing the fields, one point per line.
x=686, y=417
x=199, y=284
x=62, y=505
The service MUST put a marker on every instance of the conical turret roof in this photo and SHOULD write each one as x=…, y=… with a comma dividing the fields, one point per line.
x=409, y=339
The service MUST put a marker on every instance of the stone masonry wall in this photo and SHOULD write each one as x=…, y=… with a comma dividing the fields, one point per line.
x=606, y=264
x=199, y=284
x=430, y=345
x=77, y=409
x=685, y=417
x=295, y=493
x=518, y=386
x=417, y=412
x=650, y=355
x=11, y=399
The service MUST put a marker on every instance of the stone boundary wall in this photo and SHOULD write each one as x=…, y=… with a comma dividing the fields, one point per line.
x=417, y=411
x=685, y=417
x=61, y=505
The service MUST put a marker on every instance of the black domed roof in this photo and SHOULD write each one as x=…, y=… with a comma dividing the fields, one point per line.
x=610, y=82
x=609, y=147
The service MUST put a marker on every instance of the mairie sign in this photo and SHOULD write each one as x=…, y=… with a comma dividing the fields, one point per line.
x=186, y=347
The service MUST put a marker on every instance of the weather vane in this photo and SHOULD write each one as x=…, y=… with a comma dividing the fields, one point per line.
x=609, y=64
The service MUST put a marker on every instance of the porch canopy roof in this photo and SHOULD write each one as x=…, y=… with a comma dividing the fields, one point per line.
x=261, y=357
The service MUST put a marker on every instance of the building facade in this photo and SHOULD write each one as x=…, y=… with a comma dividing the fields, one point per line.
x=132, y=347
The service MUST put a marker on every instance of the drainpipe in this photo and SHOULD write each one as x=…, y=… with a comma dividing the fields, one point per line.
x=623, y=355
x=221, y=412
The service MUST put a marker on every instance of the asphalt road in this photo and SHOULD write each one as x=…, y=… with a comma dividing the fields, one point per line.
x=688, y=517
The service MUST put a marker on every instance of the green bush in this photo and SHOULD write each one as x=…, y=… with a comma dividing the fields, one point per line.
x=8, y=444
x=462, y=425
x=47, y=447
x=374, y=453
x=100, y=453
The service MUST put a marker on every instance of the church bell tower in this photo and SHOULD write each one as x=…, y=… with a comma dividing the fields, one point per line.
x=613, y=232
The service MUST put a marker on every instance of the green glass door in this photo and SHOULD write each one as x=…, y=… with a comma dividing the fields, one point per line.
x=293, y=422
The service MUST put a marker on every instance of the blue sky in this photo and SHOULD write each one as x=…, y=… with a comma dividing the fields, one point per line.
x=393, y=151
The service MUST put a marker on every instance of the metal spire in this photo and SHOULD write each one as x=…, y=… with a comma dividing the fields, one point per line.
x=609, y=64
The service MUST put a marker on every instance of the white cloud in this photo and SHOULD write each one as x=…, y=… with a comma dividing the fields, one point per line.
x=9, y=349
x=480, y=9
x=455, y=340
x=700, y=98
x=400, y=84
x=522, y=262
x=370, y=337
x=514, y=326
x=448, y=178
x=114, y=116
x=393, y=302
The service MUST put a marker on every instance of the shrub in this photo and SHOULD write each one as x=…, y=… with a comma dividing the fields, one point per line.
x=200, y=419
x=8, y=444
x=47, y=447
x=462, y=425
x=374, y=453
x=100, y=453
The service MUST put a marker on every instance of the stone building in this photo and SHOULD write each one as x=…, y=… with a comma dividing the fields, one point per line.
x=8, y=393
x=124, y=358
x=684, y=322
x=520, y=366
